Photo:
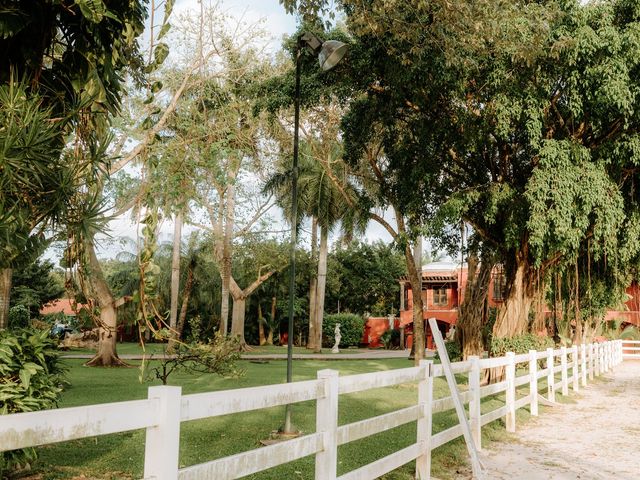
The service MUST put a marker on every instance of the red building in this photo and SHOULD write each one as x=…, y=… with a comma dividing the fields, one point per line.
x=443, y=286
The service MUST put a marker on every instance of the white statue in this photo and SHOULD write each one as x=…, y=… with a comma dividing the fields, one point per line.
x=451, y=334
x=337, y=337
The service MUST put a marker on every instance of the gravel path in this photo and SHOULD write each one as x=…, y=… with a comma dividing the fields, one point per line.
x=595, y=438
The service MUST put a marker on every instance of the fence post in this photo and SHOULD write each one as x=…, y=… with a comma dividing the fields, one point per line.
x=511, y=392
x=162, y=442
x=575, y=370
x=551, y=391
x=474, y=402
x=327, y=425
x=583, y=359
x=533, y=382
x=425, y=401
x=564, y=375
x=610, y=355
x=620, y=358
x=592, y=362
x=598, y=359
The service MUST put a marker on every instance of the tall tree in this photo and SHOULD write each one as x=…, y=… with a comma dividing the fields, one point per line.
x=213, y=131
x=499, y=123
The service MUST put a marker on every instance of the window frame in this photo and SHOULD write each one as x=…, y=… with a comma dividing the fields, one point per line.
x=438, y=294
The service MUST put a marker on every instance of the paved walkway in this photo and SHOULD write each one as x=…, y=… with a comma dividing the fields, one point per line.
x=360, y=355
x=595, y=438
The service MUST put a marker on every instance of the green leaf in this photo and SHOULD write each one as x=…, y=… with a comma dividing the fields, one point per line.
x=25, y=377
x=160, y=53
x=93, y=10
x=163, y=31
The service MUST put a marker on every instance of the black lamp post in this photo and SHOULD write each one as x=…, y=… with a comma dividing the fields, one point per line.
x=329, y=55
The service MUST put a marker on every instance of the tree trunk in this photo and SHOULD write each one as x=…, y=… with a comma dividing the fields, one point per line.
x=577, y=334
x=415, y=278
x=538, y=305
x=322, y=282
x=237, y=321
x=175, y=271
x=513, y=317
x=225, y=270
x=186, y=295
x=272, y=323
x=6, y=275
x=106, y=355
x=261, y=326
x=473, y=315
x=313, y=287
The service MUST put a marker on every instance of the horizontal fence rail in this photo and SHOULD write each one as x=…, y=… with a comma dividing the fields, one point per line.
x=162, y=413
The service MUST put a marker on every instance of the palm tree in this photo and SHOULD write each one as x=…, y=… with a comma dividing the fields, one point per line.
x=323, y=180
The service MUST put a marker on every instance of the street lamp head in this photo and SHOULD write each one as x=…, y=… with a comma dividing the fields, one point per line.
x=331, y=53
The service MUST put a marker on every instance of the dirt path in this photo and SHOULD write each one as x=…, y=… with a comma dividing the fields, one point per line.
x=595, y=438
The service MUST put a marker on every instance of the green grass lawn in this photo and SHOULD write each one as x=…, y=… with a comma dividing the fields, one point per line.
x=121, y=456
x=133, y=348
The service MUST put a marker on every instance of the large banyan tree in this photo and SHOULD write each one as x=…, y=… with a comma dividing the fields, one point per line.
x=518, y=118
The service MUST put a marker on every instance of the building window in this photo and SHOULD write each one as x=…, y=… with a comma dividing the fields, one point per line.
x=440, y=296
x=499, y=284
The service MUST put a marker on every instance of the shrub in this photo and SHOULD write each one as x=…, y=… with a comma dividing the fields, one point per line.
x=351, y=328
x=19, y=317
x=31, y=378
x=391, y=339
x=630, y=333
x=454, y=350
x=519, y=344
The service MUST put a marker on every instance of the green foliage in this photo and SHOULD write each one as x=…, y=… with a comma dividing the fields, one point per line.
x=618, y=329
x=563, y=210
x=351, y=328
x=31, y=167
x=364, y=279
x=391, y=339
x=519, y=344
x=31, y=379
x=36, y=284
x=454, y=351
x=218, y=356
x=62, y=63
x=19, y=317
x=195, y=329
x=630, y=333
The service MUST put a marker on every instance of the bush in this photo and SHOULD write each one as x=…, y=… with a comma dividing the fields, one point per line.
x=519, y=344
x=391, y=339
x=351, y=328
x=31, y=378
x=454, y=350
x=19, y=317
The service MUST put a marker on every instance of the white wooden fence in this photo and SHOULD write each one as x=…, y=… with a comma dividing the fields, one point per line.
x=630, y=349
x=165, y=408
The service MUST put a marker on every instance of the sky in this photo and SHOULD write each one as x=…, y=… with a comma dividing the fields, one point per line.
x=278, y=24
